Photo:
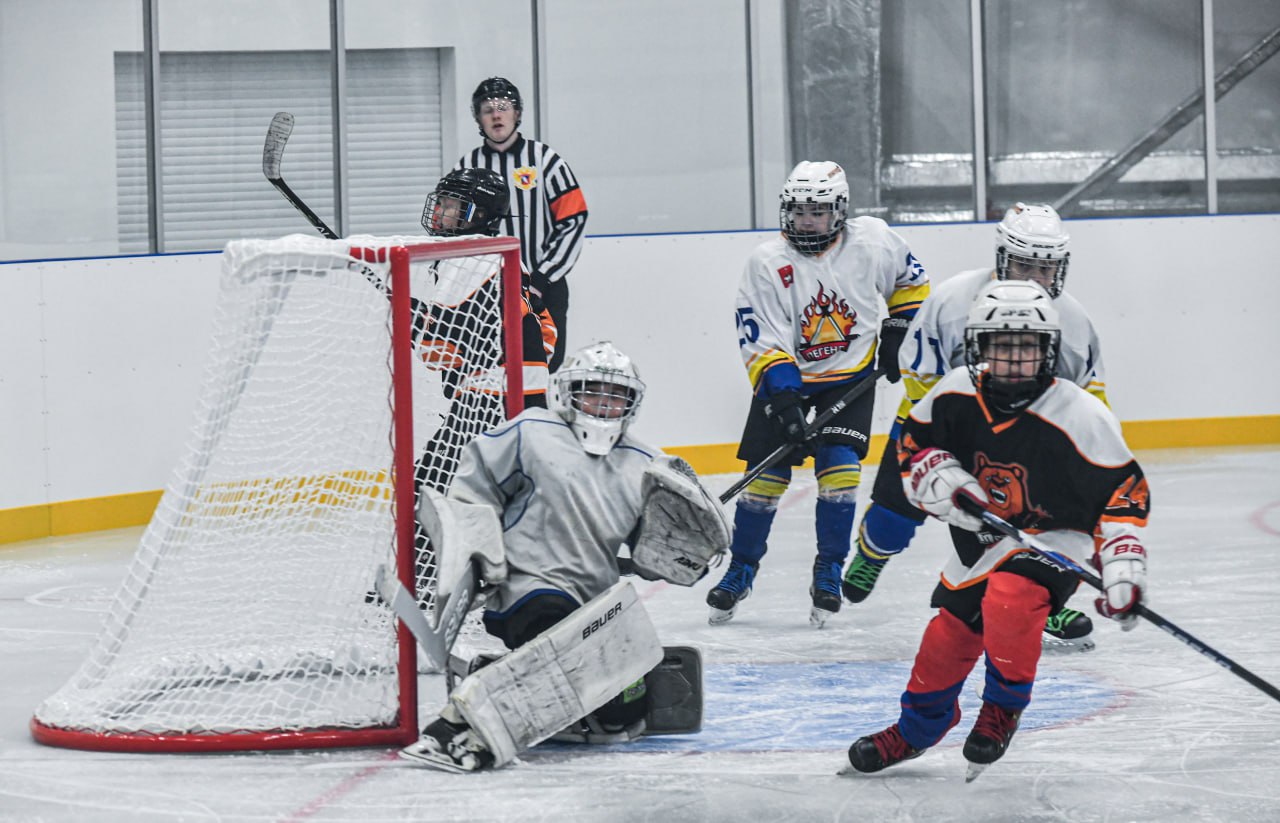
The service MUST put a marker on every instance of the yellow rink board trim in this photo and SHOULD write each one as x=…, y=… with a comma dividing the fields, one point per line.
x=125, y=510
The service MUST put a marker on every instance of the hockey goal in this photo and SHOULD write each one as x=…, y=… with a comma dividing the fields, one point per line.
x=246, y=620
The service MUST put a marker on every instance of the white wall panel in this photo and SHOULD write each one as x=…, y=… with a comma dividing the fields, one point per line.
x=22, y=404
x=1183, y=306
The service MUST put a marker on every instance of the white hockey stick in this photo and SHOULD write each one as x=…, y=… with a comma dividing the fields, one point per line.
x=437, y=640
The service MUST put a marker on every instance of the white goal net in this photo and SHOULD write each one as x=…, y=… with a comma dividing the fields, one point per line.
x=247, y=619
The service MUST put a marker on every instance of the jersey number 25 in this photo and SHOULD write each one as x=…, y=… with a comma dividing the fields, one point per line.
x=748, y=329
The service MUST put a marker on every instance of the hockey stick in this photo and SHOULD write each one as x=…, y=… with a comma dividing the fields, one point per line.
x=859, y=388
x=272, y=155
x=435, y=640
x=1001, y=525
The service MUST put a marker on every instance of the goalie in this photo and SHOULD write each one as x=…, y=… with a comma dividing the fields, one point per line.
x=539, y=509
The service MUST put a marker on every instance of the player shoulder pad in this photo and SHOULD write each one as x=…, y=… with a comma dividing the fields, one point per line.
x=1092, y=427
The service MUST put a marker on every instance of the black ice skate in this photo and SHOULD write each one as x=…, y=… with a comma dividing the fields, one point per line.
x=881, y=750
x=824, y=591
x=989, y=739
x=732, y=588
x=1067, y=631
x=860, y=578
x=449, y=747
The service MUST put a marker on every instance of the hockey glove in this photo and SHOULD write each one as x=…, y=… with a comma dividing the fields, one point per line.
x=936, y=480
x=1122, y=561
x=786, y=411
x=892, y=331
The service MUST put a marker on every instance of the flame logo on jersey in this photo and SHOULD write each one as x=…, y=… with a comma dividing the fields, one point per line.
x=525, y=178
x=826, y=325
x=1006, y=488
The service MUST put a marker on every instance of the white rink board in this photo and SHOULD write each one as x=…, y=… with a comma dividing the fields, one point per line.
x=102, y=358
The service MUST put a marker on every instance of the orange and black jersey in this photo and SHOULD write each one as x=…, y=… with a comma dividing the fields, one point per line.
x=548, y=212
x=452, y=329
x=1061, y=463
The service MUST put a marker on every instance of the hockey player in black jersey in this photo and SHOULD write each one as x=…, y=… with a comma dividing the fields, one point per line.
x=1031, y=243
x=1048, y=458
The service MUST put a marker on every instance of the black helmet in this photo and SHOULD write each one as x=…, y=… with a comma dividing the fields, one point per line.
x=500, y=88
x=485, y=200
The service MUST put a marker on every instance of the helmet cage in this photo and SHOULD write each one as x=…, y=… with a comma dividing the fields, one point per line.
x=585, y=393
x=588, y=390
x=1033, y=236
x=1056, y=269
x=1007, y=394
x=482, y=198
x=820, y=183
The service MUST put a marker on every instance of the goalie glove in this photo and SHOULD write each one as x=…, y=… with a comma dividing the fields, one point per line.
x=681, y=526
x=936, y=480
x=1122, y=561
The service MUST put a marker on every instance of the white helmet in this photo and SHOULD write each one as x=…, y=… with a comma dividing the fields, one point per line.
x=1034, y=235
x=598, y=393
x=821, y=182
x=1005, y=307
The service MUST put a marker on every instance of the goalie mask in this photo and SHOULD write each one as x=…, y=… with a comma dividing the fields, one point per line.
x=1031, y=244
x=1011, y=343
x=815, y=203
x=598, y=393
x=466, y=201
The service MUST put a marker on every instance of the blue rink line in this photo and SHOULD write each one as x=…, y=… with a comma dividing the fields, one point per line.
x=773, y=707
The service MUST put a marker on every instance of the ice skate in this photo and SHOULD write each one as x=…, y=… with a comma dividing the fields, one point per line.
x=990, y=737
x=824, y=591
x=449, y=747
x=1068, y=631
x=880, y=751
x=860, y=578
x=733, y=588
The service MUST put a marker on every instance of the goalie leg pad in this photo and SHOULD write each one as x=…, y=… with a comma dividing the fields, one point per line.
x=682, y=527
x=567, y=672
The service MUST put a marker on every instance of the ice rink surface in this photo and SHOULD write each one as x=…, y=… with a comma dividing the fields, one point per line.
x=1142, y=729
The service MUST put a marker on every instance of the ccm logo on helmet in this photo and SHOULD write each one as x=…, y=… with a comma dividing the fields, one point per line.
x=600, y=621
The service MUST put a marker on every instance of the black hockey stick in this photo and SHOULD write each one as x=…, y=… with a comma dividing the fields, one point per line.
x=1001, y=525
x=859, y=388
x=272, y=155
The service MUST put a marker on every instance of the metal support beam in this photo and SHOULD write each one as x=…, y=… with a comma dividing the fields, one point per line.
x=978, y=83
x=338, y=98
x=151, y=101
x=1182, y=114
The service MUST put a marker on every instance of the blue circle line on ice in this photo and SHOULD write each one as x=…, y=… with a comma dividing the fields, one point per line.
x=762, y=707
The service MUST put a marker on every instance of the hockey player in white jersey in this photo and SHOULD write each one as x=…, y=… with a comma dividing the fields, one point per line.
x=808, y=314
x=542, y=505
x=1031, y=244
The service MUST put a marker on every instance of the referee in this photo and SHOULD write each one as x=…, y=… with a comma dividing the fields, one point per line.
x=548, y=212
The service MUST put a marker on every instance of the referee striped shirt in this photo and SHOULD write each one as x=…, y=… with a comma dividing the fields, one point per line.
x=548, y=212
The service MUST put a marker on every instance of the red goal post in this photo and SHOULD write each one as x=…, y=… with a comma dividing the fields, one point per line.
x=246, y=619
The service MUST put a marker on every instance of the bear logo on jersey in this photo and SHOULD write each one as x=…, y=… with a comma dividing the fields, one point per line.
x=525, y=178
x=1006, y=487
x=826, y=325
